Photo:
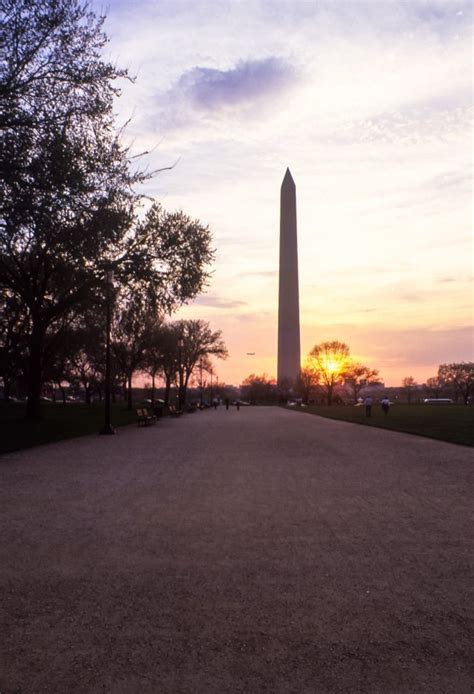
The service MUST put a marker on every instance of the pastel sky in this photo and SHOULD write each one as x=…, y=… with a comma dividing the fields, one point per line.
x=370, y=106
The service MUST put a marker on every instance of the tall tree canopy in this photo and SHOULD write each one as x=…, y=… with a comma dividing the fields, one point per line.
x=67, y=196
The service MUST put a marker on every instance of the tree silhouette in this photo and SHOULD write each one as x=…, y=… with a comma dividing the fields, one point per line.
x=331, y=361
x=358, y=376
x=460, y=375
x=409, y=384
x=68, y=206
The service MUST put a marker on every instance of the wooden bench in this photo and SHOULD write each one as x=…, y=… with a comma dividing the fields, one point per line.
x=144, y=419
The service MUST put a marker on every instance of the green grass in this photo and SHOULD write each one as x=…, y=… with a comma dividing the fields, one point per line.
x=58, y=422
x=454, y=423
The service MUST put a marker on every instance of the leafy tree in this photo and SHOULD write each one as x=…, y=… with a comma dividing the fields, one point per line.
x=435, y=386
x=67, y=190
x=154, y=356
x=169, y=358
x=12, y=344
x=204, y=366
x=307, y=382
x=409, y=384
x=53, y=52
x=65, y=180
x=259, y=389
x=460, y=375
x=199, y=341
x=358, y=376
x=85, y=358
x=331, y=360
x=133, y=329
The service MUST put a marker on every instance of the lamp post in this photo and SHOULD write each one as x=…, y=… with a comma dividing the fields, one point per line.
x=109, y=279
x=180, y=359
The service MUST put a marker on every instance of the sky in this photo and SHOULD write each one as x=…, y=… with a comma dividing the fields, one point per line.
x=369, y=103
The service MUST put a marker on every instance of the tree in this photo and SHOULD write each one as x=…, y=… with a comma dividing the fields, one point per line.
x=68, y=206
x=199, y=341
x=358, y=376
x=259, y=389
x=133, y=329
x=154, y=356
x=307, y=382
x=65, y=179
x=435, y=386
x=460, y=375
x=85, y=358
x=409, y=384
x=169, y=357
x=12, y=344
x=331, y=361
x=53, y=49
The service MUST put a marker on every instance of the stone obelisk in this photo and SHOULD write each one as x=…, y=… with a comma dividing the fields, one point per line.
x=288, y=299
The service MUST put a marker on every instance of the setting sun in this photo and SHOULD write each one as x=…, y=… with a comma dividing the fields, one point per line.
x=333, y=365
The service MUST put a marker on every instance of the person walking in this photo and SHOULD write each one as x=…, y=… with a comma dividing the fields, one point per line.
x=227, y=403
x=238, y=405
x=368, y=406
x=385, y=402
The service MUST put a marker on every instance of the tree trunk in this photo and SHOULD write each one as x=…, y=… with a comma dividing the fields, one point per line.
x=6, y=388
x=153, y=389
x=129, y=393
x=167, y=390
x=34, y=377
x=184, y=391
x=330, y=389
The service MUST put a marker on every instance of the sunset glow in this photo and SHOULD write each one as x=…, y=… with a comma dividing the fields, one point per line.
x=370, y=105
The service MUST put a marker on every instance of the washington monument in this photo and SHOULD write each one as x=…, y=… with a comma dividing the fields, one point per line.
x=288, y=299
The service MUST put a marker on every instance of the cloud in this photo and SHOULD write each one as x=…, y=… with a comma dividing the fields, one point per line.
x=209, y=88
x=259, y=273
x=217, y=302
x=203, y=94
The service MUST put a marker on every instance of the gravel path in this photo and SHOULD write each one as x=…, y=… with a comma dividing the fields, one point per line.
x=251, y=551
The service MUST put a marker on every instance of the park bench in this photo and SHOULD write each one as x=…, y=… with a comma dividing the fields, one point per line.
x=174, y=412
x=144, y=419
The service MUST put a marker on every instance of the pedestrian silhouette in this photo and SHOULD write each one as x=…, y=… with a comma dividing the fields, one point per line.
x=368, y=406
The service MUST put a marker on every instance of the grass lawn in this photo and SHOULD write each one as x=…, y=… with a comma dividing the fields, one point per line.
x=58, y=422
x=453, y=423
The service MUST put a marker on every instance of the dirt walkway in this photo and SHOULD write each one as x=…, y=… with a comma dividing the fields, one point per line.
x=251, y=551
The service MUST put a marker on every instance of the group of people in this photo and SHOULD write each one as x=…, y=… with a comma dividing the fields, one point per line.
x=384, y=403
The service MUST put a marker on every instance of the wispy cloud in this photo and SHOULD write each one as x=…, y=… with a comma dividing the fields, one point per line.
x=217, y=302
x=259, y=273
